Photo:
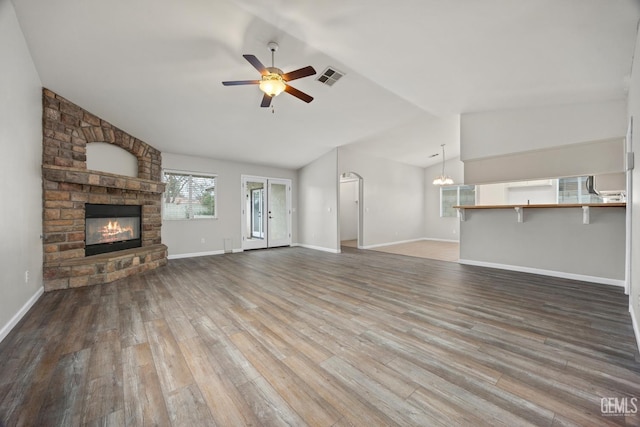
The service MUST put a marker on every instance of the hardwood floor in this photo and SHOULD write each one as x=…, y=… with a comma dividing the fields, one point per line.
x=298, y=337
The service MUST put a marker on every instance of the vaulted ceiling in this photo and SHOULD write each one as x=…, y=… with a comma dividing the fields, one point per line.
x=154, y=68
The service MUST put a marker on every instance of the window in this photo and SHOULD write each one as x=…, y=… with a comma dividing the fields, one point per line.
x=574, y=190
x=456, y=195
x=189, y=195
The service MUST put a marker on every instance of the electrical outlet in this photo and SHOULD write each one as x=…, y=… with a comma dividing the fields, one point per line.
x=26, y=276
x=202, y=240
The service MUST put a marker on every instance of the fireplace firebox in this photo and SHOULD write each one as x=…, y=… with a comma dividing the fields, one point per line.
x=110, y=228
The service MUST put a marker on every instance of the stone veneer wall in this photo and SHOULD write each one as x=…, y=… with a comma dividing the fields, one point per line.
x=68, y=185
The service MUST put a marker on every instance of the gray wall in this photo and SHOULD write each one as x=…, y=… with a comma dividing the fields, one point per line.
x=438, y=228
x=20, y=182
x=393, y=198
x=184, y=238
x=318, y=203
x=543, y=142
x=634, y=204
x=591, y=158
x=549, y=240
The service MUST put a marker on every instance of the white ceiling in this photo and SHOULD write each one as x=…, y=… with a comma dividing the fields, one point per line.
x=154, y=68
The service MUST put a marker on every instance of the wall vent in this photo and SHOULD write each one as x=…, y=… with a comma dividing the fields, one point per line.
x=330, y=76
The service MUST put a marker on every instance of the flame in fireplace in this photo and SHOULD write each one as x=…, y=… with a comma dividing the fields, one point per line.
x=113, y=232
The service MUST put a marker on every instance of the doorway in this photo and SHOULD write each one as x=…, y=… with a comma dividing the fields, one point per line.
x=266, y=212
x=351, y=218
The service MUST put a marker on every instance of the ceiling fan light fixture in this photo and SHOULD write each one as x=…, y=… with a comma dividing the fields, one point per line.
x=272, y=84
x=274, y=81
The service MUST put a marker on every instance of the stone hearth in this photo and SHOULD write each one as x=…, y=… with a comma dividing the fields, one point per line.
x=68, y=185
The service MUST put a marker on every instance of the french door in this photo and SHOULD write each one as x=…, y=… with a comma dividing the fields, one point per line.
x=266, y=212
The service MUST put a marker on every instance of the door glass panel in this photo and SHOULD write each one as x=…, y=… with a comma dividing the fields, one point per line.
x=257, y=196
x=279, y=228
x=254, y=206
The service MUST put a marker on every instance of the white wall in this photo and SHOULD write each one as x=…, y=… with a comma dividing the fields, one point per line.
x=496, y=133
x=184, y=238
x=520, y=193
x=634, y=199
x=318, y=203
x=438, y=228
x=393, y=198
x=349, y=210
x=539, y=195
x=491, y=194
x=20, y=182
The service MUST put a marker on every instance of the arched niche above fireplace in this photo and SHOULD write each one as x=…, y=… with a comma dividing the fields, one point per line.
x=107, y=157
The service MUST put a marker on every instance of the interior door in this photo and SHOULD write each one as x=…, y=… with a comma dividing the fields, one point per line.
x=254, y=213
x=279, y=213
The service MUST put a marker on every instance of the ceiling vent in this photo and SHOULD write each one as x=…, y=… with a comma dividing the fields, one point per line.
x=330, y=76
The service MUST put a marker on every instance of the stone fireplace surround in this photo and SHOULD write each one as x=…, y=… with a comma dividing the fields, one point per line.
x=68, y=185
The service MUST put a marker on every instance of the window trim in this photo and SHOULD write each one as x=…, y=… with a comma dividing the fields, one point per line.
x=192, y=174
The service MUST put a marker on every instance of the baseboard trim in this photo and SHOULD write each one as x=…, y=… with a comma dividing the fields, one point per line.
x=636, y=326
x=552, y=273
x=441, y=240
x=319, y=248
x=20, y=314
x=399, y=242
x=195, y=254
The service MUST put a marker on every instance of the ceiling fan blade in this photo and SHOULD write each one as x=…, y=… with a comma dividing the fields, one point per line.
x=298, y=94
x=256, y=63
x=266, y=101
x=298, y=74
x=241, y=82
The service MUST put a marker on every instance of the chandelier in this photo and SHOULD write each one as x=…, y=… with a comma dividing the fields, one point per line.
x=442, y=179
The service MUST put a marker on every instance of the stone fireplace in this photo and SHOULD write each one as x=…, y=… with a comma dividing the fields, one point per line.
x=97, y=226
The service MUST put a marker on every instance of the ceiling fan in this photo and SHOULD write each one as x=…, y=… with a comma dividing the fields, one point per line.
x=274, y=80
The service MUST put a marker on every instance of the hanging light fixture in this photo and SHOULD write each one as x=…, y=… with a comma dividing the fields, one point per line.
x=442, y=179
x=272, y=82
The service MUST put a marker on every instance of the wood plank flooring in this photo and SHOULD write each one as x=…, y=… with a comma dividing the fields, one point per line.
x=298, y=337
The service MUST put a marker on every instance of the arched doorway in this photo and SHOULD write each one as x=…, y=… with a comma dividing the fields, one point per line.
x=351, y=227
